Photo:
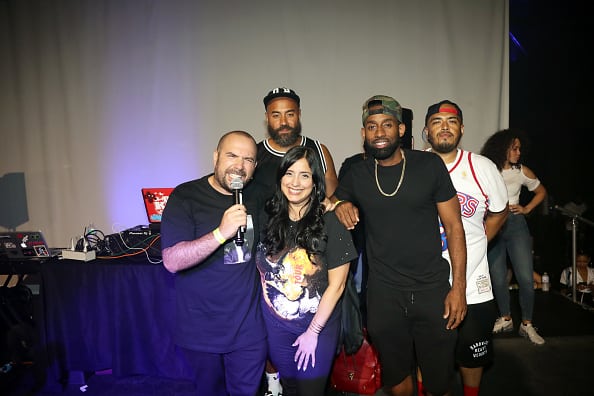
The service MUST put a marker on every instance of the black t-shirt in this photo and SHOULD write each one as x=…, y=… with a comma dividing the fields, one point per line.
x=403, y=242
x=218, y=300
x=358, y=232
x=293, y=285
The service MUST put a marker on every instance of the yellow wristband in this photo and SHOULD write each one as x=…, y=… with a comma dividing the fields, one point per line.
x=338, y=203
x=218, y=236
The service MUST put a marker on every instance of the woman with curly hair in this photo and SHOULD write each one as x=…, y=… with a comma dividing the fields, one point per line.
x=514, y=239
x=303, y=261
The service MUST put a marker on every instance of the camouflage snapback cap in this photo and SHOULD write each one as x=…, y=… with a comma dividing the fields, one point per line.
x=381, y=104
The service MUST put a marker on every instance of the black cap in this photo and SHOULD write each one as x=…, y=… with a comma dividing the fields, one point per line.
x=436, y=108
x=281, y=92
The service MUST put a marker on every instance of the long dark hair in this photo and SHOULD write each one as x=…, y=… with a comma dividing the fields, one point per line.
x=496, y=146
x=309, y=232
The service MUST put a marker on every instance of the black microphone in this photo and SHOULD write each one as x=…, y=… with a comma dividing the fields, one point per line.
x=237, y=187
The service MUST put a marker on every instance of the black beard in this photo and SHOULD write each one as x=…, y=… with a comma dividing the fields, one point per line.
x=287, y=140
x=383, y=153
x=443, y=148
x=221, y=178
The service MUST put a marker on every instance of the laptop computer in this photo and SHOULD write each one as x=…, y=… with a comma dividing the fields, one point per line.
x=155, y=200
x=23, y=245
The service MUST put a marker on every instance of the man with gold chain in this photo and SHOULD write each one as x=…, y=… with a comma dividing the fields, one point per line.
x=412, y=311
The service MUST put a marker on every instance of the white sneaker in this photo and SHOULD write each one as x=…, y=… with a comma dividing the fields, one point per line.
x=274, y=385
x=529, y=331
x=503, y=325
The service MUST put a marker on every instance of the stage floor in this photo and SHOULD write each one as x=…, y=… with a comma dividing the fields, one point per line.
x=563, y=366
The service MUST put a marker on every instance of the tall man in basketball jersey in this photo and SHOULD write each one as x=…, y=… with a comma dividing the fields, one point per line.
x=283, y=121
x=483, y=203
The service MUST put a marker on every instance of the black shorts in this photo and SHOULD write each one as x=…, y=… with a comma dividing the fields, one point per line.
x=475, y=335
x=408, y=329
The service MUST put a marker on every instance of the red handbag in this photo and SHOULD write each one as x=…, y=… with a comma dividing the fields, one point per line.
x=358, y=373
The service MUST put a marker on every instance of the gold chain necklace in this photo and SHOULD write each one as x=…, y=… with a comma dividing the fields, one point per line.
x=399, y=182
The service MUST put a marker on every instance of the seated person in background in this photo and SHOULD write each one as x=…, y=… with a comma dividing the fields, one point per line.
x=585, y=279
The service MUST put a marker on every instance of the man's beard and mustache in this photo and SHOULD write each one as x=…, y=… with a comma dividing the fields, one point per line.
x=285, y=139
x=444, y=147
x=384, y=152
x=221, y=177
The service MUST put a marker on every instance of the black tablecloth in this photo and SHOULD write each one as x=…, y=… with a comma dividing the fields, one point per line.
x=109, y=314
